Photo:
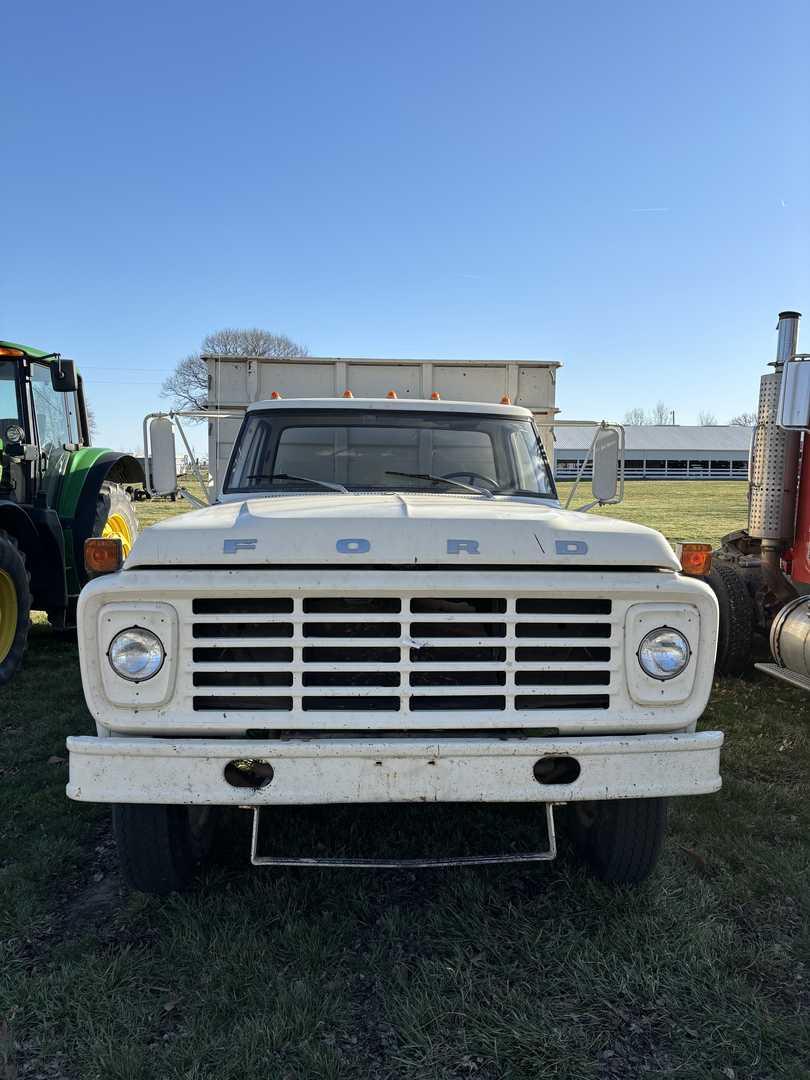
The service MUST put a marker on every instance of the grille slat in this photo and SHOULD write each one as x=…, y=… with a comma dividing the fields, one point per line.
x=403, y=654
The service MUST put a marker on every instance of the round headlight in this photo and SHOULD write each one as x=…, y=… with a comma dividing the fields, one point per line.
x=136, y=654
x=664, y=653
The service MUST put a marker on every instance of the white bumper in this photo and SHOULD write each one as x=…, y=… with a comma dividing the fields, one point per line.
x=149, y=770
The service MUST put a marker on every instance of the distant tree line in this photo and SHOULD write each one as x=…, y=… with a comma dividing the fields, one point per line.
x=663, y=414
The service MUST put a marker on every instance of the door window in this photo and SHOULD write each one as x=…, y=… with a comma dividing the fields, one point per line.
x=53, y=429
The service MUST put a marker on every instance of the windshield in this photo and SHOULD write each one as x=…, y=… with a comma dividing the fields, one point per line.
x=384, y=450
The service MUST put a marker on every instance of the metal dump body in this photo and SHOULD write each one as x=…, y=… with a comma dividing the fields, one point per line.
x=234, y=382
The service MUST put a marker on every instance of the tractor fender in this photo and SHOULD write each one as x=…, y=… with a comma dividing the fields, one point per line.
x=39, y=534
x=88, y=470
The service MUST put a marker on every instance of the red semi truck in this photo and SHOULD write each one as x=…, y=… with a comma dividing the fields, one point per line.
x=761, y=574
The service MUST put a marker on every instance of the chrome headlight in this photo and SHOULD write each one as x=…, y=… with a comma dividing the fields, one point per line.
x=136, y=654
x=663, y=653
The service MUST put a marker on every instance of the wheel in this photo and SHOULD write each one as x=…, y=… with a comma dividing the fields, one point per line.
x=159, y=847
x=620, y=839
x=736, y=629
x=15, y=606
x=115, y=518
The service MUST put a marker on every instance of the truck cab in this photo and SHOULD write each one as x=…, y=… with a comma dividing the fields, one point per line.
x=387, y=603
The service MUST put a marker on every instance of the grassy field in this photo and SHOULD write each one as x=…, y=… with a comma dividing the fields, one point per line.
x=494, y=974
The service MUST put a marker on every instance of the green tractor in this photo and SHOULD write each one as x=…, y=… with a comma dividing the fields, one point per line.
x=56, y=490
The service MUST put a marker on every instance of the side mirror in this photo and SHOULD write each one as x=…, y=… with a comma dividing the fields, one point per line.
x=794, y=394
x=63, y=376
x=606, y=452
x=162, y=463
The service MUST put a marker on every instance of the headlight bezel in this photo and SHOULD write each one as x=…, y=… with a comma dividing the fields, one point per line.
x=139, y=677
x=658, y=674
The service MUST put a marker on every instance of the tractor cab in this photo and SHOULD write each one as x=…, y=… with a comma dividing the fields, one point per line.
x=56, y=490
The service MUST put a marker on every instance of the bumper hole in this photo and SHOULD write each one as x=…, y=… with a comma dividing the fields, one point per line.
x=249, y=773
x=556, y=770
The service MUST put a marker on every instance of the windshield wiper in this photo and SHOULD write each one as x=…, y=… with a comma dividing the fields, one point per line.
x=302, y=479
x=440, y=480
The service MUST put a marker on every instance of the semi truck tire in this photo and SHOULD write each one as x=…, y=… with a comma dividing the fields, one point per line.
x=160, y=847
x=15, y=606
x=736, y=628
x=620, y=839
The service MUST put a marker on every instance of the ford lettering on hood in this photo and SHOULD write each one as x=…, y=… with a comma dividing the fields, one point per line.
x=397, y=529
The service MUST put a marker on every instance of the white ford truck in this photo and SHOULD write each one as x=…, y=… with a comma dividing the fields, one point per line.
x=387, y=603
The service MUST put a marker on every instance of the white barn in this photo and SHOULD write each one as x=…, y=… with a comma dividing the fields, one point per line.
x=663, y=452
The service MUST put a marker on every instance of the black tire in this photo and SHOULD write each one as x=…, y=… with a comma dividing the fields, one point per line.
x=160, y=847
x=15, y=584
x=113, y=501
x=620, y=839
x=736, y=630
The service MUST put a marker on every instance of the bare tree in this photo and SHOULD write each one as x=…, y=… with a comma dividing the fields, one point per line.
x=92, y=424
x=636, y=416
x=661, y=414
x=744, y=419
x=187, y=385
x=707, y=419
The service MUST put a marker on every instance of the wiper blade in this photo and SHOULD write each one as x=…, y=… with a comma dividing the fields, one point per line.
x=440, y=480
x=302, y=479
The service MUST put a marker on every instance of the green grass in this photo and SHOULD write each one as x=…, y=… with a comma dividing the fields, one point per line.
x=507, y=972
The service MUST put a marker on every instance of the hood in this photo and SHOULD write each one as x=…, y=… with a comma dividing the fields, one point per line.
x=396, y=529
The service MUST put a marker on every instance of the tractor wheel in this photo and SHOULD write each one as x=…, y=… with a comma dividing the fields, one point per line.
x=15, y=606
x=736, y=630
x=115, y=518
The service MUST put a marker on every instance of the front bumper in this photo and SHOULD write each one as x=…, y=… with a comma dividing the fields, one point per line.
x=337, y=770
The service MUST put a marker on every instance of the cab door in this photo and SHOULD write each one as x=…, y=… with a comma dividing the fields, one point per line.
x=55, y=436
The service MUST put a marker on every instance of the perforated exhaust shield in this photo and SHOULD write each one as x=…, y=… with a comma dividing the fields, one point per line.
x=775, y=452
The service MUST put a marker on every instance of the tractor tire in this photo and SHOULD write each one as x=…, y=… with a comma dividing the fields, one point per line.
x=115, y=516
x=160, y=847
x=736, y=630
x=15, y=606
x=619, y=839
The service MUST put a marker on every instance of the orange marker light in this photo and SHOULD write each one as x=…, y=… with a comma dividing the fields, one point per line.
x=275, y=396
x=102, y=555
x=506, y=400
x=435, y=396
x=11, y=352
x=348, y=393
x=391, y=394
x=696, y=559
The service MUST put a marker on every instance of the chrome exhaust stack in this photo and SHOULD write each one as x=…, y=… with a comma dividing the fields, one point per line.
x=774, y=456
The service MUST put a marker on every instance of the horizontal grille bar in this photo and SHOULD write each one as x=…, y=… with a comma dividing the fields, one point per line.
x=399, y=654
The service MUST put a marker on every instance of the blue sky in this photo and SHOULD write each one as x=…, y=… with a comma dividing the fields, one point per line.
x=624, y=187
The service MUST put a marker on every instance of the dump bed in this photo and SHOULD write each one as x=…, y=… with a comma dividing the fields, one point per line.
x=234, y=382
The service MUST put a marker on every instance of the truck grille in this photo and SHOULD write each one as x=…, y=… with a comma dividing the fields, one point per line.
x=401, y=654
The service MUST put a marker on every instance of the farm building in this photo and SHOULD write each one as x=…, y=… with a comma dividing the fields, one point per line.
x=666, y=452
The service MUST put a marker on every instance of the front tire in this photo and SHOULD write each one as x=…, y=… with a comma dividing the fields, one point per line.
x=735, y=632
x=15, y=606
x=160, y=847
x=115, y=517
x=620, y=839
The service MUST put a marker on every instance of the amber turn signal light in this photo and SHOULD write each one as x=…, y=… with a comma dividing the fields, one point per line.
x=102, y=555
x=696, y=559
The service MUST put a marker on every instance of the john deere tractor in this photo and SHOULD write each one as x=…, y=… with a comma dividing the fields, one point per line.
x=56, y=490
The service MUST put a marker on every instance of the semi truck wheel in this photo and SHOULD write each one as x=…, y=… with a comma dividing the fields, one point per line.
x=15, y=606
x=736, y=630
x=160, y=847
x=620, y=839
